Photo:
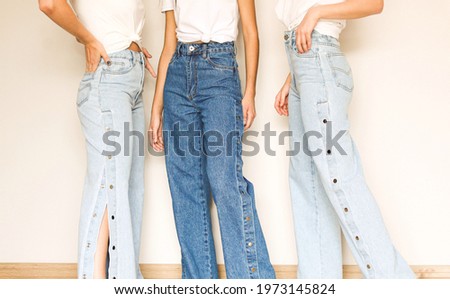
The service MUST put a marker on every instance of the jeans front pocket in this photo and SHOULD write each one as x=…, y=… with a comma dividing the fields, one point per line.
x=342, y=73
x=222, y=60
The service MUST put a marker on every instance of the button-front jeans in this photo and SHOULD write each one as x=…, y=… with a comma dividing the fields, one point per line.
x=328, y=189
x=110, y=102
x=203, y=127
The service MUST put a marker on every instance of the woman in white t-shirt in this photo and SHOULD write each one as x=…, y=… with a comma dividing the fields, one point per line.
x=205, y=114
x=328, y=189
x=110, y=106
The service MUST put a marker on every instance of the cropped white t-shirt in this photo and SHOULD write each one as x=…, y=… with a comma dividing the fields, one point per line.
x=292, y=12
x=115, y=23
x=204, y=20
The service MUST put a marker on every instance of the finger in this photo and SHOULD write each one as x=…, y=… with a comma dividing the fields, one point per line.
x=250, y=120
x=245, y=117
x=284, y=103
x=160, y=137
x=278, y=104
x=150, y=69
x=93, y=65
x=308, y=41
x=105, y=57
x=146, y=53
x=303, y=42
x=154, y=136
x=298, y=42
x=285, y=109
x=298, y=39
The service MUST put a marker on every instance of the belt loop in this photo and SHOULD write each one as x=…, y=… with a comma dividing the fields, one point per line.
x=178, y=49
x=205, y=50
x=132, y=57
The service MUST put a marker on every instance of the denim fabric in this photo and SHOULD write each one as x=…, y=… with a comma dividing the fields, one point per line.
x=328, y=190
x=202, y=97
x=109, y=100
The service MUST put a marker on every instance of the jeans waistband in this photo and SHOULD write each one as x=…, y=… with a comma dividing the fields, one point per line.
x=318, y=39
x=205, y=48
x=127, y=54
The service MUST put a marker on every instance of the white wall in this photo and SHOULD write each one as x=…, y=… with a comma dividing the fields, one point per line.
x=400, y=116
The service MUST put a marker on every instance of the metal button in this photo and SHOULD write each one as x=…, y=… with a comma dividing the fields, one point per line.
x=250, y=244
x=114, y=248
x=112, y=217
x=325, y=121
x=247, y=218
x=111, y=187
x=357, y=238
x=253, y=269
x=346, y=210
x=286, y=37
x=329, y=152
x=191, y=48
x=335, y=181
x=369, y=266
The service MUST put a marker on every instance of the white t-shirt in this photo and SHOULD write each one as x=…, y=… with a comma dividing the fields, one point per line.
x=204, y=20
x=115, y=23
x=292, y=12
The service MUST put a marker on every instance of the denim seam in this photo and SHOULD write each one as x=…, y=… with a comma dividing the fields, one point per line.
x=111, y=202
x=316, y=203
x=237, y=127
x=141, y=82
x=236, y=164
x=205, y=211
x=194, y=79
x=341, y=199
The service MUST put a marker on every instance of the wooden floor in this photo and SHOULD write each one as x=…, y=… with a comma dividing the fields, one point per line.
x=67, y=271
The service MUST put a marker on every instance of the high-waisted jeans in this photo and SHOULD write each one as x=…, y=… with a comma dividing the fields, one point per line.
x=203, y=127
x=327, y=183
x=110, y=109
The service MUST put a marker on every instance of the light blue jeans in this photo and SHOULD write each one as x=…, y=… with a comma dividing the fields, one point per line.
x=328, y=189
x=110, y=102
x=203, y=127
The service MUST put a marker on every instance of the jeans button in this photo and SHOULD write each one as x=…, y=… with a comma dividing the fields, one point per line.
x=191, y=48
x=286, y=37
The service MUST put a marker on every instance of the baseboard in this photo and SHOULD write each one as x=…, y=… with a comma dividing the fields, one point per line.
x=157, y=271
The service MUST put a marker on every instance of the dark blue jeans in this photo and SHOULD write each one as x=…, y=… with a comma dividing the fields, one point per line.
x=203, y=127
